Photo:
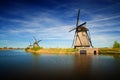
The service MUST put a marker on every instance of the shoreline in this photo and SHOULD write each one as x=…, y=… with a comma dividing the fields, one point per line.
x=102, y=51
x=11, y=49
x=52, y=51
x=109, y=50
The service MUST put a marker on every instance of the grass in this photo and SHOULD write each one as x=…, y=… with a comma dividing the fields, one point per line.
x=52, y=50
x=114, y=52
x=40, y=50
x=36, y=48
x=109, y=50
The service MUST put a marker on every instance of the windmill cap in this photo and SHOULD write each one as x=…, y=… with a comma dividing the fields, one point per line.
x=82, y=28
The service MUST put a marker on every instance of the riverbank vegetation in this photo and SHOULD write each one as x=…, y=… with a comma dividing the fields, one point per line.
x=11, y=48
x=114, y=52
x=116, y=44
x=52, y=50
x=115, y=49
x=109, y=50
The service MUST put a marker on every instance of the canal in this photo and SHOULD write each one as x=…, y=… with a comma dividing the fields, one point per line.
x=20, y=65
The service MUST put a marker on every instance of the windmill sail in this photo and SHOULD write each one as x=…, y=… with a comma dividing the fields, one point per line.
x=39, y=41
x=35, y=44
x=90, y=39
x=78, y=18
x=76, y=27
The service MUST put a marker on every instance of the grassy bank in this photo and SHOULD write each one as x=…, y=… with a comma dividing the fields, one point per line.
x=109, y=50
x=40, y=50
x=114, y=52
x=52, y=50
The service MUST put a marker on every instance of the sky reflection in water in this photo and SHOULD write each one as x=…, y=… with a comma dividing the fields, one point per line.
x=21, y=65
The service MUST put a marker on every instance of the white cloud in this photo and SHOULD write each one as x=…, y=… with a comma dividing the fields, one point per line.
x=52, y=29
x=23, y=30
x=49, y=27
x=104, y=19
x=104, y=40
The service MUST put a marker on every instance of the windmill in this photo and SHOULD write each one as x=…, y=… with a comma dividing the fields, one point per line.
x=30, y=46
x=81, y=36
x=35, y=44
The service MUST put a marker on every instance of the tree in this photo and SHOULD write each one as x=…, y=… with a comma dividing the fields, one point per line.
x=116, y=44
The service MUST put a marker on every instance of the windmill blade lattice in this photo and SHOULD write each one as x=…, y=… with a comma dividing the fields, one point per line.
x=39, y=41
x=78, y=18
x=90, y=38
x=74, y=39
x=35, y=39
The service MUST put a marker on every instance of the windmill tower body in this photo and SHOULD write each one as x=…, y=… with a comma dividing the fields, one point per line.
x=35, y=44
x=82, y=39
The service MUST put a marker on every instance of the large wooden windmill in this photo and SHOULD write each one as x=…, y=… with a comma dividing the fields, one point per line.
x=81, y=37
x=35, y=44
x=82, y=40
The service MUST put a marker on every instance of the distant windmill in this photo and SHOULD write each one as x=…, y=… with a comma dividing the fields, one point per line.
x=35, y=44
x=81, y=36
x=30, y=46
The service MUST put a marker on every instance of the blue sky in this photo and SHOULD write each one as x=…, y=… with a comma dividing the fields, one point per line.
x=50, y=21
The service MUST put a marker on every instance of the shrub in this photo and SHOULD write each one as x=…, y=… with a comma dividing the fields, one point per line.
x=36, y=48
x=116, y=44
x=26, y=49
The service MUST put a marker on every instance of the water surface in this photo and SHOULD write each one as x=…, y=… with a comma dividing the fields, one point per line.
x=20, y=65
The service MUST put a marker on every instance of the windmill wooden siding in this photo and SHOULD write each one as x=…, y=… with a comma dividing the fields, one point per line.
x=36, y=45
x=82, y=40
